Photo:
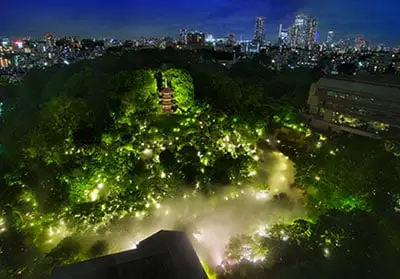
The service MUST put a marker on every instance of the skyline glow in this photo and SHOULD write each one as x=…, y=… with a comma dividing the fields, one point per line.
x=129, y=19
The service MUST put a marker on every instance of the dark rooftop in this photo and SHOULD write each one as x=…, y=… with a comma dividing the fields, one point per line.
x=166, y=90
x=373, y=79
x=165, y=254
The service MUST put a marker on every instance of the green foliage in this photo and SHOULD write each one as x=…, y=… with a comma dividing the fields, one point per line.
x=87, y=145
x=335, y=245
x=182, y=85
x=349, y=173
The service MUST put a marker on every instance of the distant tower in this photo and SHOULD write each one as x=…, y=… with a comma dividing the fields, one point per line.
x=50, y=39
x=293, y=36
x=301, y=30
x=231, y=38
x=283, y=35
x=329, y=38
x=259, y=30
x=311, y=32
x=359, y=41
x=183, y=36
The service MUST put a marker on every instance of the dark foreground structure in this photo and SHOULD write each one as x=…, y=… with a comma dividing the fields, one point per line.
x=166, y=254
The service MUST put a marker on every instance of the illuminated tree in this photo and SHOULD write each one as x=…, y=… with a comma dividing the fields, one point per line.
x=182, y=85
x=349, y=173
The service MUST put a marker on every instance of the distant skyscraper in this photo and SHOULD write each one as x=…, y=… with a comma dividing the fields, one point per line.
x=183, y=36
x=329, y=39
x=209, y=38
x=50, y=39
x=231, y=38
x=359, y=41
x=283, y=35
x=293, y=35
x=196, y=39
x=301, y=24
x=312, y=25
x=259, y=30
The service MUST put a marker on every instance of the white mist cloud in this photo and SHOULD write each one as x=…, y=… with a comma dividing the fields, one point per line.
x=212, y=222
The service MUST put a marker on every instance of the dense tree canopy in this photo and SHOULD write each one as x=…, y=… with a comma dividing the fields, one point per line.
x=88, y=145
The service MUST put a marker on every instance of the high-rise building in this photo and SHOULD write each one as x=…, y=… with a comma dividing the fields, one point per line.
x=301, y=24
x=329, y=38
x=283, y=35
x=359, y=41
x=259, y=30
x=311, y=32
x=50, y=39
x=293, y=35
x=183, y=36
x=196, y=39
x=231, y=39
x=209, y=38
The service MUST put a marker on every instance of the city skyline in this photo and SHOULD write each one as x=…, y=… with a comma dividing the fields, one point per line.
x=127, y=20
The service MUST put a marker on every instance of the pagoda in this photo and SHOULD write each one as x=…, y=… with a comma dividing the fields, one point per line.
x=167, y=100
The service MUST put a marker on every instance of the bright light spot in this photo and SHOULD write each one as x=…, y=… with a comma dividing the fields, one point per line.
x=158, y=205
x=282, y=178
x=256, y=158
x=327, y=253
x=94, y=195
x=252, y=173
x=332, y=152
x=163, y=175
x=262, y=196
x=285, y=238
x=100, y=185
x=262, y=231
x=317, y=178
x=133, y=246
x=197, y=236
x=147, y=151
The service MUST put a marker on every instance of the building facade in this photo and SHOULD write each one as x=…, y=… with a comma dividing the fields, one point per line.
x=357, y=105
x=259, y=32
x=196, y=39
x=311, y=32
x=301, y=25
x=164, y=255
x=329, y=38
x=283, y=35
x=183, y=36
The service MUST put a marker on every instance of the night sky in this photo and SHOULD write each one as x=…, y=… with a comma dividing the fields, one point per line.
x=378, y=20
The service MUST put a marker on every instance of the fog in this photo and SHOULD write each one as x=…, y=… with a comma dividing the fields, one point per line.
x=211, y=222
